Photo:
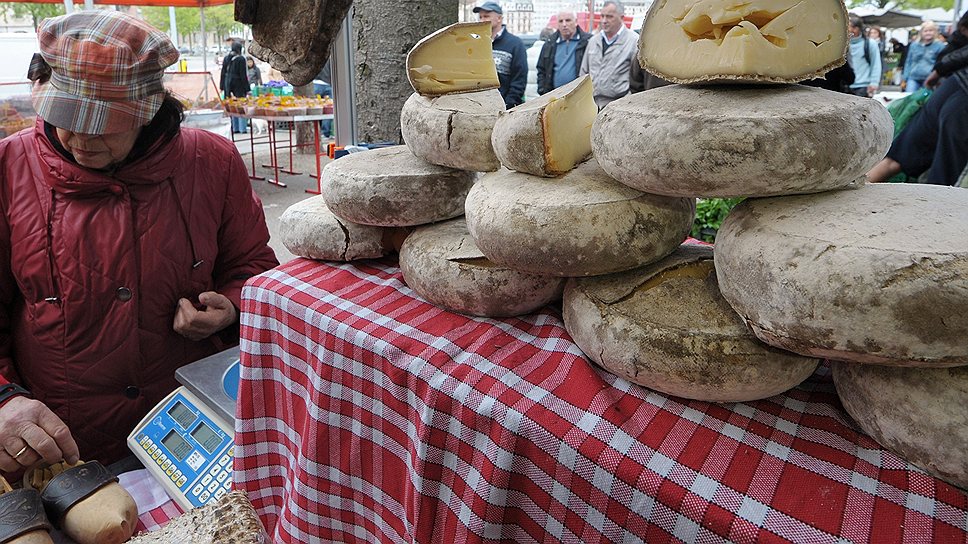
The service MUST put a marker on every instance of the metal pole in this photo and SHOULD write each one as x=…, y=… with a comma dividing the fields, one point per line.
x=201, y=13
x=954, y=22
x=344, y=84
x=174, y=25
x=69, y=6
x=88, y=4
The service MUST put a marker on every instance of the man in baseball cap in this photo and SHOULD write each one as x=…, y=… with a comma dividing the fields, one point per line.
x=510, y=55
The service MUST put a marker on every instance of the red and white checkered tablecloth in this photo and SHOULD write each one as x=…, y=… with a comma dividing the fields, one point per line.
x=368, y=415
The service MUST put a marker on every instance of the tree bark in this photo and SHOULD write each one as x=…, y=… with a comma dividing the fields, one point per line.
x=384, y=32
x=304, y=131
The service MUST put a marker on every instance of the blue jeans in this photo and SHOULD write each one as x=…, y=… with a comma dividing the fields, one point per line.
x=239, y=125
x=324, y=90
x=913, y=85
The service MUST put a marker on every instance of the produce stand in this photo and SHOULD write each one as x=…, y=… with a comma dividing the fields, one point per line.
x=272, y=140
x=368, y=415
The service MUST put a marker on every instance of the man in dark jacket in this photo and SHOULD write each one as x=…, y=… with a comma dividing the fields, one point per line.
x=561, y=55
x=510, y=55
x=236, y=81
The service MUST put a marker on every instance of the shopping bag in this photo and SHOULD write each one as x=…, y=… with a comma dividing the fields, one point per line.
x=903, y=110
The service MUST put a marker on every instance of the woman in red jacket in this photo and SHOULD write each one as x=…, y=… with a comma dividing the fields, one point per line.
x=125, y=240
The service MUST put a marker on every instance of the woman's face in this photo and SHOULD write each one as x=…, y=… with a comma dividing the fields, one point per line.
x=98, y=151
x=875, y=34
x=250, y=63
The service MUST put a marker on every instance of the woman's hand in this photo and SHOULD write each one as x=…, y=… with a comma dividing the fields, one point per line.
x=932, y=80
x=30, y=433
x=217, y=312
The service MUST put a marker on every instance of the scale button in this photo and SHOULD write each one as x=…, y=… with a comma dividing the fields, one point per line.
x=146, y=444
x=152, y=448
x=164, y=458
x=213, y=486
x=170, y=471
x=220, y=493
x=222, y=476
x=204, y=496
x=174, y=477
x=182, y=480
x=224, y=460
x=156, y=455
x=206, y=479
x=198, y=489
x=178, y=473
x=227, y=485
x=165, y=463
x=232, y=451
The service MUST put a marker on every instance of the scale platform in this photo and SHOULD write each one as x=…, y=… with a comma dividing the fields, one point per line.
x=214, y=380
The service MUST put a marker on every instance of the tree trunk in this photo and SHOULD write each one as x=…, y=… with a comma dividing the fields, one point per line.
x=384, y=32
x=304, y=131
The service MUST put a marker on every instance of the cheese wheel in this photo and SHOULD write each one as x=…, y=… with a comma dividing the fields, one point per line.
x=443, y=265
x=453, y=130
x=918, y=413
x=390, y=187
x=310, y=230
x=549, y=135
x=876, y=275
x=767, y=41
x=581, y=224
x=454, y=59
x=665, y=326
x=740, y=141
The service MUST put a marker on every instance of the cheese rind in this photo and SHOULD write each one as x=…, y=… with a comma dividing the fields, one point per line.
x=581, y=224
x=453, y=130
x=665, y=326
x=549, y=135
x=865, y=276
x=309, y=229
x=758, y=41
x=915, y=412
x=455, y=59
x=741, y=141
x=390, y=187
x=444, y=266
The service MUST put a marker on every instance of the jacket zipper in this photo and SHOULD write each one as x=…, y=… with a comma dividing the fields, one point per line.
x=54, y=295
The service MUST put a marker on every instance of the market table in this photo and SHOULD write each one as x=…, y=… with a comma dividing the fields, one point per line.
x=368, y=415
x=272, y=140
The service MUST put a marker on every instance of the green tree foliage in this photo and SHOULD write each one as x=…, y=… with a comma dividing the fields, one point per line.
x=903, y=4
x=36, y=12
x=187, y=19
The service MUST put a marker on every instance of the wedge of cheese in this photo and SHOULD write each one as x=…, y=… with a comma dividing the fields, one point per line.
x=767, y=41
x=547, y=136
x=453, y=130
x=455, y=59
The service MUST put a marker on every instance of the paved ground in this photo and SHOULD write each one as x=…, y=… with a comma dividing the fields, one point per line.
x=276, y=199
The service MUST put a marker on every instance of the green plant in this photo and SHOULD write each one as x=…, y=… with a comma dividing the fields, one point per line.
x=710, y=213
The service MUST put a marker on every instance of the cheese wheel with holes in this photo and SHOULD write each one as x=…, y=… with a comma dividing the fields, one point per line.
x=665, y=326
x=454, y=59
x=878, y=275
x=918, y=413
x=444, y=266
x=390, y=187
x=763, y=41
x=744, y=141
x=581, y=224
x=549, y=135
x=310, y=230
x=453, y=130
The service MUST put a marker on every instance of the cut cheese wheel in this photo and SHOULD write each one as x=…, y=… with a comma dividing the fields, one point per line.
x=442, y=264
x=310, y=230
x=390, y=187
x=455, y=59
x=878, y=275
x=549, y=135
x=453, y=130
x=770, y=41
x=581, y=224
x=743, y=141
x=665, y=326
x=918, y=413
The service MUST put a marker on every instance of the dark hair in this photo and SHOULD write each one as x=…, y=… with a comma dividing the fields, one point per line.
x=858, y=22
x=163, y=127
x=236, y=47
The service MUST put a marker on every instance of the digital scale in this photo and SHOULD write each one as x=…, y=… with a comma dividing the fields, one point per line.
x=187, y=441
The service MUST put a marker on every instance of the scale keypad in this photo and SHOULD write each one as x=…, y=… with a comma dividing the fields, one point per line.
x=213, y=484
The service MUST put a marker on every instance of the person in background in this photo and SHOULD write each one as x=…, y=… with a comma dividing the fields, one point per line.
x=864, y=59
x=253, y=72
x=610, y=55
x=126, y=239
x=236, y=83
x=323, y=88
x=561, y=56
x=510, y=55
x=921, y=57
x=901, y=49
x=933, y=144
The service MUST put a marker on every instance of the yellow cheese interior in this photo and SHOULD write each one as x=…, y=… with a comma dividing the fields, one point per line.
x=567, y=124
x=697, y=270
x=787, y=40
x=454, y=59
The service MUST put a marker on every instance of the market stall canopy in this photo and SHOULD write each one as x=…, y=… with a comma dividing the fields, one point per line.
x=887, y=18
x=175, y=3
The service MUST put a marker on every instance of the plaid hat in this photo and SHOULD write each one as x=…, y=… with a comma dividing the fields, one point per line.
x=99, y=71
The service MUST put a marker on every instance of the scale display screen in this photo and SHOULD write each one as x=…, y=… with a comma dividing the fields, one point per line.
x=206, y=437
x=177, y=446
x=183, y=415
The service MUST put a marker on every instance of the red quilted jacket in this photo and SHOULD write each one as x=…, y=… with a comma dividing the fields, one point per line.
x=92, y=266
